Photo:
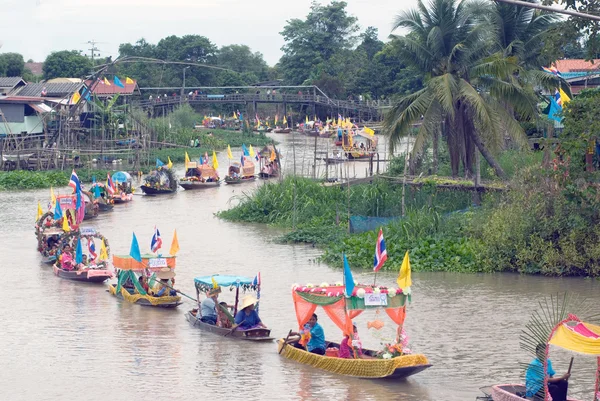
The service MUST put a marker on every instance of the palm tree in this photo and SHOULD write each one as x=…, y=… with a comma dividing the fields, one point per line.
x=468, y=84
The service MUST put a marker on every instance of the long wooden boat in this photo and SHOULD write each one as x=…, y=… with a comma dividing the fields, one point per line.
x=189, y=185
x=200, y=177
x=148, y=190
x=282, y=130
x=239, y=180
x=258, y=334
x=122, y=198
x=49, y=260
x=123, y=183
x=394, y=368
x=508, y=392
x=85, y=275
x=129, y=295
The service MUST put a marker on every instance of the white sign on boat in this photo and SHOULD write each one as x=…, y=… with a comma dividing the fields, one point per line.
x=376, y=299
x=157, y=262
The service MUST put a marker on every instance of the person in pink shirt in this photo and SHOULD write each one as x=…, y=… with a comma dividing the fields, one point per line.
x=346, y=346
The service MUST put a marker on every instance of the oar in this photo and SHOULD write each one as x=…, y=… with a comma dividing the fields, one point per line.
x=185, y=295
x=570, y=366
x=285, y=341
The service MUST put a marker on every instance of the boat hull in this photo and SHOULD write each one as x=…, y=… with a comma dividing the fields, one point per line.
x=49, y=260
x=155, y=191
x=190, y=185
x=105, y=207
x=87, y=276
x=507, y=392
x=249, y=335
x=145, y=300
x=283, y=131
x=395, y=368
x=234, y=181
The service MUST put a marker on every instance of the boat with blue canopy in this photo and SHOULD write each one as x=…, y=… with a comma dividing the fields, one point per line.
x=225, y=322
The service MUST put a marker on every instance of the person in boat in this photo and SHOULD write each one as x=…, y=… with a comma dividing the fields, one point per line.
x=52, y=241
x=164, y=287
x=316, y=343
x=84, y=263
x=66, y=258
x=350, y=349
x=208, y=307
x=534, y=378
x=224, y=316
x=247, y=317
x=144, y=283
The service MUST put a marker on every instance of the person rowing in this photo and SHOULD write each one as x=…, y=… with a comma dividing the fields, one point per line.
x=247, y=318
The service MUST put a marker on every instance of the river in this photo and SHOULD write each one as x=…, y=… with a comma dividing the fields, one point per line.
x=64, y=341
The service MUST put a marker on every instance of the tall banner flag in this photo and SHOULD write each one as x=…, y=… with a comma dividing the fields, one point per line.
x=106, y=82
x=159, y=163
x=52, y=197
x=103, y=251
x=215, y=161
x=169, y=162
x=187, y=160
x=284, y=121
x=156, y=243
x=79, y=252
x=134, y=252
x=74, y=181
x=40, y=212
x=348, y=279
x=174, y=245
x=380, y=252
x=118, y=82
x=110, y=186
x=129, y=81
x=57, y=211
x=92, y=249
x=404, y=280
x=229, y=155
x=251, y=151
x=65, y=224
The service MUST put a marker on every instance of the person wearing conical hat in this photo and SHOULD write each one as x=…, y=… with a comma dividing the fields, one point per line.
x=247, y=317
x=164, y=287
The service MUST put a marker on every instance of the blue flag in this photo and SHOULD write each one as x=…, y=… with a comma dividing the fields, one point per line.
x=242, y=160
x=79, y=252
x=96, y=188
x=555, y=109
x=78, y=203
x=159, y=163
x=241, y=117
x=118, y=82
x=348, y=279
x=201, y=161
x=134, y=252
x=57, y=211
x=245, y=150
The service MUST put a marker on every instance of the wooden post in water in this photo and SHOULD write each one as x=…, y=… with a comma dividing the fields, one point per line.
x=315, y=159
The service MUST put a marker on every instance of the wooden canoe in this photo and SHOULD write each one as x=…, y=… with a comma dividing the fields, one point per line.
x=155, y=191
x=189, y=185
x=129, y=295
x=394, y=368
x=508, y=392
x=233, y=181
x=49, y=260
x=282, y=130
x=86, y=275
x=250, y=335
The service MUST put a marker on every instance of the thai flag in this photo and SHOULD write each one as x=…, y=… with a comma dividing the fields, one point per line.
x=205, y=158
x=74, y=182
x=109, y=184
x=92, y=248
x=557, y=98
x=257, y=156
x=156, y=241
x=380, y=252
x=256, y=281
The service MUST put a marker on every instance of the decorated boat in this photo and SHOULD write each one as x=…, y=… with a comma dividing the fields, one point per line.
x=270, y=162
x=123, y=187
x=68, y=204
x=239, y=172
x=86, y=266
x=148, y=279
x=161, y=181
x=199, y=177
x=225, y=321
x=282, y=130
x=361, y=145
x=103, y=195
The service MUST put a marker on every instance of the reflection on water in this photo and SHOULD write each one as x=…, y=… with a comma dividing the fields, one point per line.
x=77, y=340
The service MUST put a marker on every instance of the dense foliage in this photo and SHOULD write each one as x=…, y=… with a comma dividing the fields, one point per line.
x=68, y=64
x=22, y=179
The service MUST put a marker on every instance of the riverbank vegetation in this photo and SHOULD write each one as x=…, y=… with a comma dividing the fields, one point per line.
x=24, y=179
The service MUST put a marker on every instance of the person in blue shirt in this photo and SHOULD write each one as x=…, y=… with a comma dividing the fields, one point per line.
x=534, y=378
x=247, y=317
x=316, y=344
x=208, y=307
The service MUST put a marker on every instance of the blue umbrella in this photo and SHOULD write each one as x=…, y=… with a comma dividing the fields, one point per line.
x=121, y=176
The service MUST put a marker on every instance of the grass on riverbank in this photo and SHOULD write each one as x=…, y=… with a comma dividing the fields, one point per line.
x=22, y=179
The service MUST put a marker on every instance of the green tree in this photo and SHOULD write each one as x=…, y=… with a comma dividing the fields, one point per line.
x=11, y=65
x=66, y=64
x=467, y=88
x=241, y=59
x=312, y=42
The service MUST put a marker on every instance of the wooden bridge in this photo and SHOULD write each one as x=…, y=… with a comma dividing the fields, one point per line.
x=309, y=98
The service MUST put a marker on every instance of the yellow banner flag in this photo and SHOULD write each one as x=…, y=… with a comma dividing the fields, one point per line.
x=103, y=252
x=307, y=118
x=170, y=163
x=129, y=81
x=52, y=197
x=106, y=82
x=284, y=120
x=251, y=151
x=229, y=155
x=40, y=212
x=214, y=282
x=404, y=280
x=369, y=131
x=564, y=97
x=76, y=97
x=215, y=161
x=273, y=156
x=187, y=160
x=174, y=245
x=234, y=115
x=65, y=224
x=276, y=118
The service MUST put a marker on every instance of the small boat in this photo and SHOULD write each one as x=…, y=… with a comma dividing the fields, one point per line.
x=379, y=365
x=129, y=271
x=206, y=284
x=78, y=269
x=103, y=196
x=352, y=149
x=123, y=184
x=161, y=181
x=333, y=160
x=239, y=173
x=200, y=177
x=282, y=130
x=69, y=203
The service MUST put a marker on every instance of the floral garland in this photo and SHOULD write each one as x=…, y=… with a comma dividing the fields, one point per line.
x=359, y=291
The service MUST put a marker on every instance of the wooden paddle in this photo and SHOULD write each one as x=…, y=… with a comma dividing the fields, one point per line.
x=570, y=366
x=285, y=341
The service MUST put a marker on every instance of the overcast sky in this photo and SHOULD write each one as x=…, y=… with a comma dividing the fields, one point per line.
x=35, y=28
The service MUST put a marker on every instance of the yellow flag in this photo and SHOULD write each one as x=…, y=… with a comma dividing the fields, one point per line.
x=307, y=118
x=106, y=82
x=76, y=97
x=129, y=81
x=564, y=97
x=174, y=245
x=229, y=155
x=187, y=160
x=215, y=161
x=369, y=131
x=276, y=118
x=40, y=212
x=65, y=225
x=273, y=156
x=234, y=115
x=170, y=163
x=251, y=151
x=103, y=252
x=215, y=284
x=284, y=120
x=52, y=197
x=404, y=280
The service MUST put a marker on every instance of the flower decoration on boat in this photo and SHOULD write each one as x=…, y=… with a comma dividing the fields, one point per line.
x=376, y=290
x=360, y=293
x=392, y=292
x=324, y=284
x=294, y=286
x=338, y=284
x=406, y=290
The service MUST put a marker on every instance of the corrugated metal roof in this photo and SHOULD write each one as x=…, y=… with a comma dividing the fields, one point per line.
x=52, y=90
x=572, y=65
x=10, y=82
x=102, y=89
